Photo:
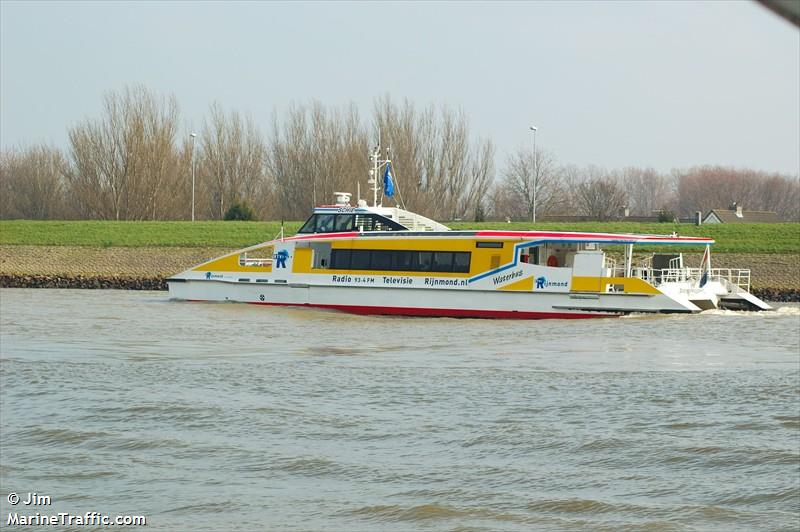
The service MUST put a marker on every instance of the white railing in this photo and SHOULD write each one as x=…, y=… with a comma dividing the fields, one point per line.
x=244, y=261
x=610, y=263
x=728, y=277
x=733, y=279
x=735, y=276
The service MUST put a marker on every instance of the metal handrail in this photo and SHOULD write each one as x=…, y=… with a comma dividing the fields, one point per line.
x=737, y=277
x=244, y=261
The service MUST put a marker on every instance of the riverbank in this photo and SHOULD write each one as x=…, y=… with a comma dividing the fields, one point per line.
x=774, y=277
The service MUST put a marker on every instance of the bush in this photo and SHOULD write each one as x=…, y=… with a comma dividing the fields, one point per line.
x=665, y=216
x=239, y=211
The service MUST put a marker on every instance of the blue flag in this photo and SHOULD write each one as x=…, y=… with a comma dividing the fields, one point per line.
x=388, y=184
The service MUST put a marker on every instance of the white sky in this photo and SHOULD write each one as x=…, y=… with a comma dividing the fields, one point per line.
x=662, y=84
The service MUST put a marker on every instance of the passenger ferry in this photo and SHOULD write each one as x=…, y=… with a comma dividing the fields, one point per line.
x=387, y=260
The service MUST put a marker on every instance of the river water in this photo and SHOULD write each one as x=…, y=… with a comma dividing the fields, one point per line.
x=227, y=416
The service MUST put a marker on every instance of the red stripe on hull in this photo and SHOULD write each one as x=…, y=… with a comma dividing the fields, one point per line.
x=444, y=313
x=594, y=236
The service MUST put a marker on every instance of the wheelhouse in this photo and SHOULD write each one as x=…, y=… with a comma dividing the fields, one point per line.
x=325, y=222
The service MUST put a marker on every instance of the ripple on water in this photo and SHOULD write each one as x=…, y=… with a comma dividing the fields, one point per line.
x=430, y=512
x=50, y=437
x=790, y=422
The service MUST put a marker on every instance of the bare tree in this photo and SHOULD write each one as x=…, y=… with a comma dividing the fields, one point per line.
x=781, y=194
x=529, y=176
x=230, y=164
x=648, y=191
x=124, y=165
x=313, y=154
x=32, y=183
x=714, y=187
x=440, y=172
x=600, y=196
x=437, y=172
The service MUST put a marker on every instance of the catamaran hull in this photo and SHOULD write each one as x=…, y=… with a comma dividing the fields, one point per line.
x=428, y=302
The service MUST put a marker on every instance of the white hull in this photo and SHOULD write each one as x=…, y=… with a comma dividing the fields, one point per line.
x=427, y=301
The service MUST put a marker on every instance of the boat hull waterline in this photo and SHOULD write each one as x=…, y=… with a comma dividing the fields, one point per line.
x=425, y=302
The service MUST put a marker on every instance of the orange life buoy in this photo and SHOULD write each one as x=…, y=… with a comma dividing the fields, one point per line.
x=552, y=261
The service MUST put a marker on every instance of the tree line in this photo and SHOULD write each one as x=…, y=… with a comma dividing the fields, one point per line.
x=135, y=162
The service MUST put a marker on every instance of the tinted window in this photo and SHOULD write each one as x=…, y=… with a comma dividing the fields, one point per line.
x=424, y=261
x=443, y=261
x=381, y=260
x=344, y=222
x=325, y=223
x=384, y=259
x=340, y=259
x=308, y=227
x=402, y=260
x=360, y=259
x=461, y=262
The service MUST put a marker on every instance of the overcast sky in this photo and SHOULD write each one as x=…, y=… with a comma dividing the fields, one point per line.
x=668, y=85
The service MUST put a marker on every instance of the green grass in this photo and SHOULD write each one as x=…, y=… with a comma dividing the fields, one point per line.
x=744, y=238
x=141, y=234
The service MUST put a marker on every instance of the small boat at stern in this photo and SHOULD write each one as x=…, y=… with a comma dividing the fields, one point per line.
x=386, y=260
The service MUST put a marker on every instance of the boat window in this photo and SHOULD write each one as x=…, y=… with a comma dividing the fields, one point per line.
x=488, y=244
x=339, y=223
x=325, y=223
x=363, y=223
x=344, y=222
x=385, y=224
x=340, y=259
x=359, y=259
x=529, y=255
x=308, y=227
x=424, y=261
x=443, y=261
x=381, y=260
x=374, y=222
x=396, y=260
x=402, y=260
x=321, y=253
x=461, y=262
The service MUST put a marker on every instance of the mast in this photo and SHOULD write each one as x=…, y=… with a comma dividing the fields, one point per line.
x=374, y=172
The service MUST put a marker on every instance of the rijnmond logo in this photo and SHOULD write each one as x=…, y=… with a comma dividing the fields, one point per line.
x=280, y=258
x=542, y=282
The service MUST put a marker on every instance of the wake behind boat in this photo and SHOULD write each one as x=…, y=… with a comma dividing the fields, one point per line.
x=387, y=260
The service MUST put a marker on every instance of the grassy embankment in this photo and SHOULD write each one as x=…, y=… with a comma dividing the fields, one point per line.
x=745, y=238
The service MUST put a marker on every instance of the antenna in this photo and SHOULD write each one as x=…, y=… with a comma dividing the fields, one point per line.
x=373, y=175
x=374, y=172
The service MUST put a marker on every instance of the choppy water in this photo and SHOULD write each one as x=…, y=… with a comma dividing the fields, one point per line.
x=220, y=416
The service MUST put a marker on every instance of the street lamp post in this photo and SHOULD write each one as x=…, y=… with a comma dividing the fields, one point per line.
x=534, y=128
x=193, y=135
